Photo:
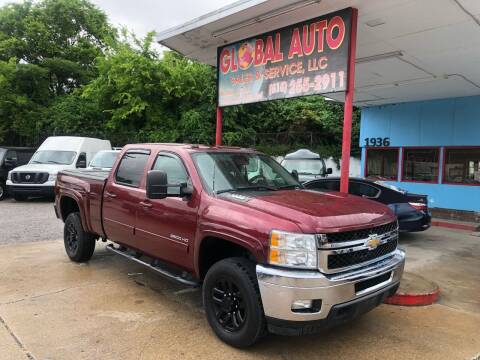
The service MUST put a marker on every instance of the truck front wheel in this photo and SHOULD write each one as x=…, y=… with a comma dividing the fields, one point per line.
x=79, y=244
x=232, y=302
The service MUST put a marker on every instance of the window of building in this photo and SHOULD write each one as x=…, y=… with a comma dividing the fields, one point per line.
x=420, y=164
x=462, y=166
x=131, y=168
x=382, y=164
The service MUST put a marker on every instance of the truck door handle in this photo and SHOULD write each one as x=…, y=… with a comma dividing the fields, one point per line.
x=146, y=205
x=110, y=195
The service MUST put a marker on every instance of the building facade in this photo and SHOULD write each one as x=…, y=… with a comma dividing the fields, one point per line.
x=427, y=147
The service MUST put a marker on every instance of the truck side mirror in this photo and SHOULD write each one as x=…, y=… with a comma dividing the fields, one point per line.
x=329, y=171
x=295, y=174
x=186, y=189
x=157, y=186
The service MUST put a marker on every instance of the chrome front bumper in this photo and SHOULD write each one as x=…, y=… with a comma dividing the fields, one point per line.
x=279, y=288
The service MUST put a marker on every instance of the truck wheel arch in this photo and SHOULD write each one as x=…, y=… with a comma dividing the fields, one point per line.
x=213, y=249
x=70, y=205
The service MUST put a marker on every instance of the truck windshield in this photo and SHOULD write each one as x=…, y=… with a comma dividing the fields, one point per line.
x=305, y=166
x=104, y=159
x=53, y=157
x=223, y=172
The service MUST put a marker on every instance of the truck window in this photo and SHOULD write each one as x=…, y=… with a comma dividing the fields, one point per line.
x=131, y=168
x=174, y=169
x=11, y=155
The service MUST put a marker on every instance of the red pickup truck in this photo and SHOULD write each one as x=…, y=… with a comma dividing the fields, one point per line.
x=270, y=255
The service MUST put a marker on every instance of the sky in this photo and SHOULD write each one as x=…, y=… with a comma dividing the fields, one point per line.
x=142, y=16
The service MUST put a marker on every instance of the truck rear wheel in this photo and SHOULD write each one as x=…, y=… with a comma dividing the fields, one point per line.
x=232, y=302
x=79, y=244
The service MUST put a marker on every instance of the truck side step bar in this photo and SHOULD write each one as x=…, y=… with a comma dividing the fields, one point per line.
x=177, y=277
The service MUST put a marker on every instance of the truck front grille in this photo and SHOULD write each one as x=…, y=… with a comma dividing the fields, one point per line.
x=361, y=234
x=357, y=257
x=348, y=250
x=29, y=177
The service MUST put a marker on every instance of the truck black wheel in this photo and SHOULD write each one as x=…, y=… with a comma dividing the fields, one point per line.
x=79, y=244
x=3, y=191
x=232, y=302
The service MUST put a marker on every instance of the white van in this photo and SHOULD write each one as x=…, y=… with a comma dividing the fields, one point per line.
x=37, y=178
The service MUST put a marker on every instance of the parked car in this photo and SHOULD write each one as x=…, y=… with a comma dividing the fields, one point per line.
x=307, y=164
x=37, y=178
x=270, y=255
x=411, y=209
x=11, y=157
x=103, y=160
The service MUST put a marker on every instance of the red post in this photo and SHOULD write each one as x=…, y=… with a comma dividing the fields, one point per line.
x=218, y=133
x=348, y=108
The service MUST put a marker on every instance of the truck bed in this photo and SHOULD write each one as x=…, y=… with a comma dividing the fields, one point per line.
x=99, y=175
x=87, y=187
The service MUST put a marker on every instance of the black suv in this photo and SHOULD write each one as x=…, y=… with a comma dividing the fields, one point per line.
x=10, y=158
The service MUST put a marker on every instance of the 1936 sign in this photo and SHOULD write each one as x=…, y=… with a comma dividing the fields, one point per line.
x=302, y=59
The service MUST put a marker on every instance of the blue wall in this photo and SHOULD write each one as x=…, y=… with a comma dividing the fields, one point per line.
x=448, y=122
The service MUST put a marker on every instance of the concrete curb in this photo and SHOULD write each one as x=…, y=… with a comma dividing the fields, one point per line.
x=414, y=291
x=405, y=299
x=456, y=226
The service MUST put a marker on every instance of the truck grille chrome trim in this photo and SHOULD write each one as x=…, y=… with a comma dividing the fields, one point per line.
x=356, y=252
x=347, y=236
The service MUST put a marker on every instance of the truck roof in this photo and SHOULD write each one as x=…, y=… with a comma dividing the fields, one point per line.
x=190, y=147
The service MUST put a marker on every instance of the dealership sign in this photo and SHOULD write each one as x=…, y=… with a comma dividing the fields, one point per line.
x=307, y=58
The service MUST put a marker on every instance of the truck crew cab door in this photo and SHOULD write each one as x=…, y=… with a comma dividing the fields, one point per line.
x=166, y=228
x=121, y=197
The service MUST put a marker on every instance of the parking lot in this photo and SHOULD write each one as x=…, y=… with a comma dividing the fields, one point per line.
x=110, y=308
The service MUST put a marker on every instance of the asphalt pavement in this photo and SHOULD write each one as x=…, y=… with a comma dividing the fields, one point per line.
x=28, y=221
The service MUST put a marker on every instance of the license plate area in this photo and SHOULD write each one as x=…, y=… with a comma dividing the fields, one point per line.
x=370, y=284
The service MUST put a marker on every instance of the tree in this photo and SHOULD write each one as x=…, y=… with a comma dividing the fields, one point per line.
x=47, y=49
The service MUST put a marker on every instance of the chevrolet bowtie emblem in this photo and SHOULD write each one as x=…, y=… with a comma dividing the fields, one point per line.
x=372, y=242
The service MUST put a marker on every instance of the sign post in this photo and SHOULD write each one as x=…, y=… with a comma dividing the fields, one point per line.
x=218, y=131
x=348, y=107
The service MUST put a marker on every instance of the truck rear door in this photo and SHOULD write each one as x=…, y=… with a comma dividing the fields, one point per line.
x=165, y=228
x=122, y=195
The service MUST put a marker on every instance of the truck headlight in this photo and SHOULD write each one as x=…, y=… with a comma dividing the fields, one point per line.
x=292, y=250
x=52, y=177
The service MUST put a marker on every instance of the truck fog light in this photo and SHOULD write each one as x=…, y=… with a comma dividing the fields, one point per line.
x=306, y=306
x=302, y=304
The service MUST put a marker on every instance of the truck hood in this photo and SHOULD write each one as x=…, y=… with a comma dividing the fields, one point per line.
x=48, y=168
x=316, y=212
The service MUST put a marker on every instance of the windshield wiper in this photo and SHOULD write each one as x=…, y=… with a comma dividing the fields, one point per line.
x=54, y=162
x=286, y=187
x=246, y=188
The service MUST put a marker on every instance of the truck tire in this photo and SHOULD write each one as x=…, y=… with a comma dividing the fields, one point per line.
x=79, y=244
x=232, y=302
x=3, y=191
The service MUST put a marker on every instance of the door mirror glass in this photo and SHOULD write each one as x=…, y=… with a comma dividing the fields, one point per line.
x=329, y=171
x=157, y=186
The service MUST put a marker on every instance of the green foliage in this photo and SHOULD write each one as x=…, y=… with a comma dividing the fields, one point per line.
x=65, y=71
